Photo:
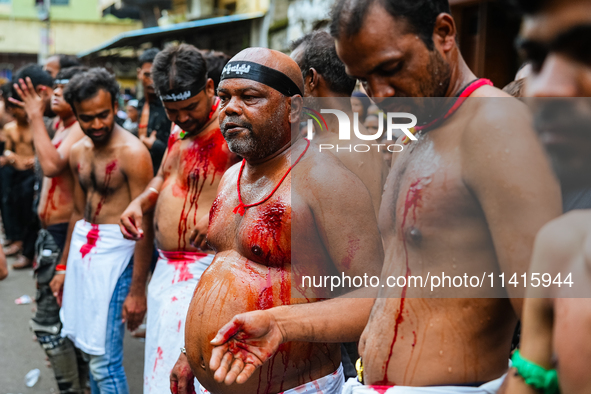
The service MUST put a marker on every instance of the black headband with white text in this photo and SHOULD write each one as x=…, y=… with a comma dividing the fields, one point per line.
x=184, y=94
x=263, y=74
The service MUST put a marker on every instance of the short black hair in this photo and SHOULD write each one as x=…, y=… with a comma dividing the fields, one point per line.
x=148, y=56
x=37, y=75
x=347, y=16
x=178, y=67
x=320, y=53
x=6, y=90
x=528, y=7
x=87, y=84
x=68, y=61
x=70, y=72
x=215, y=61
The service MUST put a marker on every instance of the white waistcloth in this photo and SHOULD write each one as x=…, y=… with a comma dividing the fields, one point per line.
x=169, y=295
x=98, y=256
x=329, y=384
x=352, y=386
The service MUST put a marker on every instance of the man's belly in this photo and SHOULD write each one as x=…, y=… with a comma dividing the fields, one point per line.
x=177, y=213
x=232, y=285
x=55, y=201
x=421, y=342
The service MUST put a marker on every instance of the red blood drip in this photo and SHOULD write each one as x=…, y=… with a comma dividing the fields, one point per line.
x=49, y=203
x=57, y=144
x=173, y=138
x=413, y=201
x=380, y=389
x=414, y=342
x=108, y=173
x=351, y=252
x=215, y=207
x=182, y=268
x=158, y=357
x=202, y=160
x=179, y=328
x=91, y=238
x=267, y=235
x=173, y=299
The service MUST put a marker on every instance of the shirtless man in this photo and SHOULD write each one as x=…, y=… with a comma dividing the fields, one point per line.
x=56, y=203
x=326, y=85
x=555, y=329
x=251, y=230
x=181, y=196
x=459, y=195
x=110, y=167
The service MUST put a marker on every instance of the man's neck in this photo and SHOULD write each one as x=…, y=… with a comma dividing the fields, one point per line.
x=68, y=120
x=284, y=152
x=461, y=75
x=149, y=97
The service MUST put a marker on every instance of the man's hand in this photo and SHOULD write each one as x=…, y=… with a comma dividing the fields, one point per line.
x=181, y=377
x=57, y=285
x=243, y=345
x=149, y=141
x=198, y=236
x=32, y=102
x=131, y=222
x=134, y=309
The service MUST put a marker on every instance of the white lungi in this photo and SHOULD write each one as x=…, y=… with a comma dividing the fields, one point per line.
x=352, y=386
x=329, y=384
x=169, y=295
x=98, y=256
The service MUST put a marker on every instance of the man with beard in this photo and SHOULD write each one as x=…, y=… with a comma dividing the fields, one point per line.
x=474, y=188
x=180, y=196
x=153, y=126
x=110, y=167
x=555, y=344
x=325, y=78
x=55, y=207
x=251, y=231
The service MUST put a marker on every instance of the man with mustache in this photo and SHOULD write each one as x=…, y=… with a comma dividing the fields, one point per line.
x=469, y=193
x=180, y=196
x=555, y=348
x=264, y=229
x=110, y=168
x=55, y=206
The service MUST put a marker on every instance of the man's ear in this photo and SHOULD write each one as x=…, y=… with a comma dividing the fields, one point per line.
x=444, y=33
x=312, y=79
x=296, y=105
x=209, y=88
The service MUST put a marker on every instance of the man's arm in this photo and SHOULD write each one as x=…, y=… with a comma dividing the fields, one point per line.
x=504, y=166
x=131, y=221
x=137, y=167
x=344, y=217
x=52, y=160
x=57, y=282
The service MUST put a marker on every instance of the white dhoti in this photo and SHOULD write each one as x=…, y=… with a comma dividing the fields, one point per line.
x=169, y=295
x=352, y=386
x=329, y=384
x=98, y=256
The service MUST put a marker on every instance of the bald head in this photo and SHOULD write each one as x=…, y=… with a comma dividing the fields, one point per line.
x=273, y=59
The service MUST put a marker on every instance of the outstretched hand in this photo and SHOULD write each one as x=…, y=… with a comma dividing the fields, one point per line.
x=243, y=345
x=32, y=102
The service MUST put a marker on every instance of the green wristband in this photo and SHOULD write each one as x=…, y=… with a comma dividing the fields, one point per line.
x=535, y=375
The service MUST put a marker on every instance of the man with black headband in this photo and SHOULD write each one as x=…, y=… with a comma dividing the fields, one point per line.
x=468, y=193
x=56, y=202
x=555, y=349
x=251, y=231
x=180, y=196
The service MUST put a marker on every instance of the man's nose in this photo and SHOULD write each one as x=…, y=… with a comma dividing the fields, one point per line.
x=97, y=124
x=233, y=107
x=183, y=117
x=379, y=88
x=557, y=78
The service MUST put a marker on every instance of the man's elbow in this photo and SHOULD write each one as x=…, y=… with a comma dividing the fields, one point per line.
x=53, y=170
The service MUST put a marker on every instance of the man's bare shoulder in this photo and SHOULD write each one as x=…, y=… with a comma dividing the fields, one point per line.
x=489, y=91
x=228, y=181
x=562, y=240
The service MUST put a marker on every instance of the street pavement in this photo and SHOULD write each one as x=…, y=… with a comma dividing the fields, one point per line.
x=19, y=353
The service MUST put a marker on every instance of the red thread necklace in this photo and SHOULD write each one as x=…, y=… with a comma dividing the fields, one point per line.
x=241, y=208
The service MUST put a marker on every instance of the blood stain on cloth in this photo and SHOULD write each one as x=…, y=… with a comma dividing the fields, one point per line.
x=181, y=268
x=158, y=357
x=91, y=238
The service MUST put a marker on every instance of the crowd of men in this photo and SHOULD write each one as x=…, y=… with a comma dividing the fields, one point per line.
x=181, y=214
